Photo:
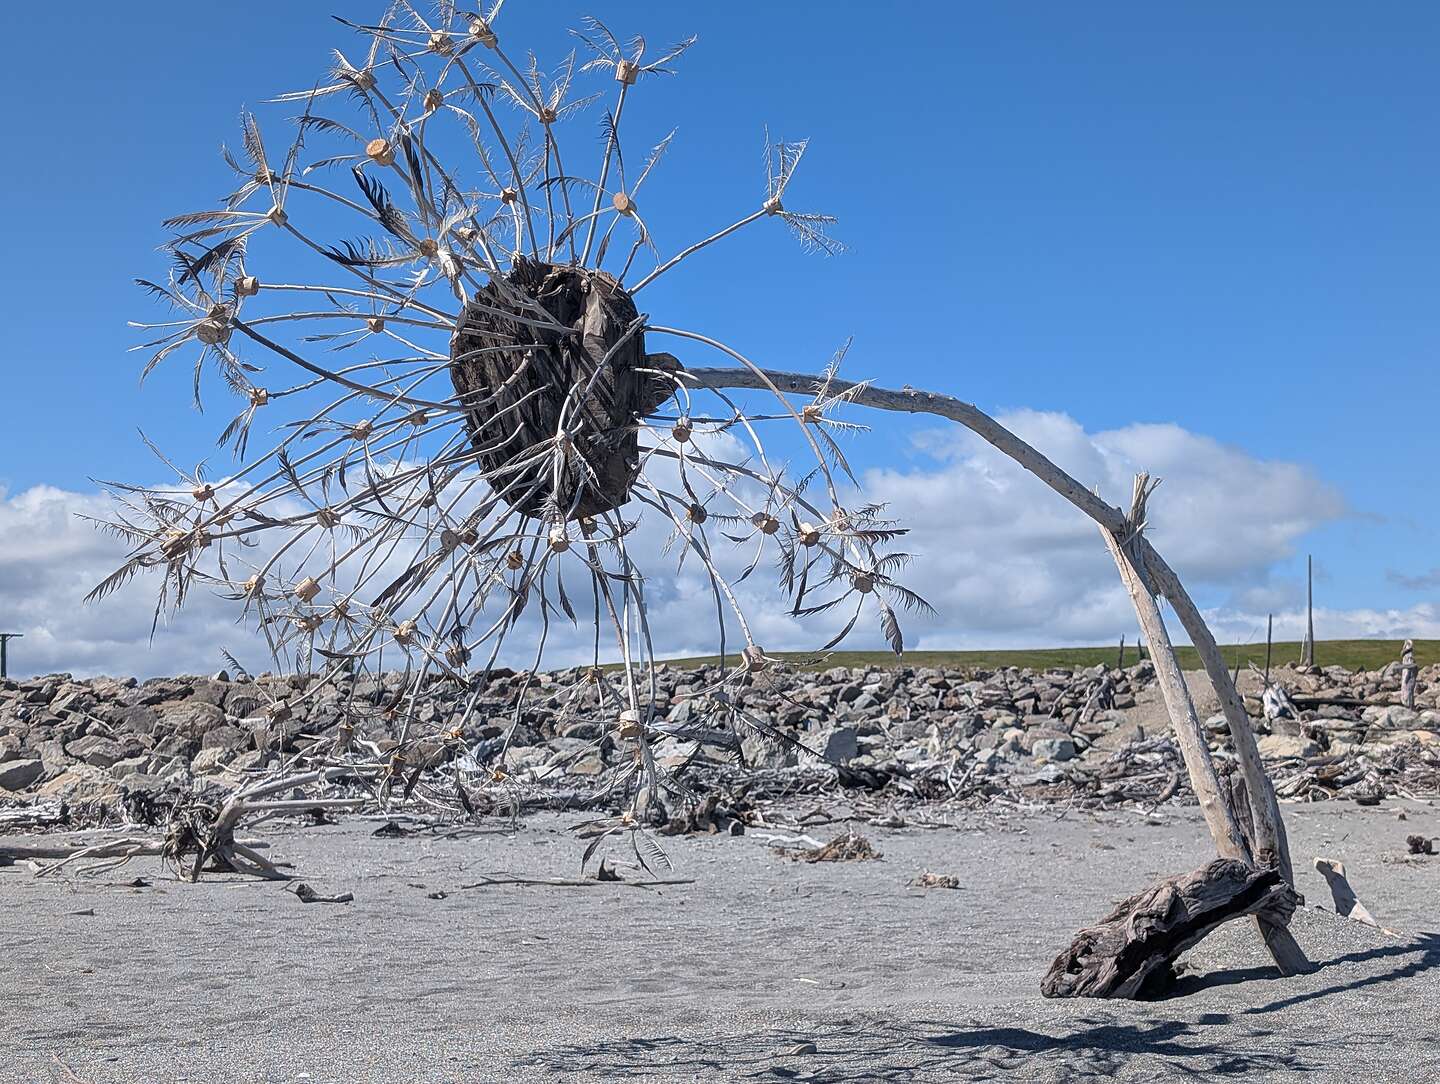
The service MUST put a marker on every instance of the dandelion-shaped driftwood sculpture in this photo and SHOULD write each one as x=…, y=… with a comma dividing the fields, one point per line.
x=436, y=314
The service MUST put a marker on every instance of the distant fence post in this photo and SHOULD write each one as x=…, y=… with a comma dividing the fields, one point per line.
x=1407, y=675
x=5, y=638
x=1307, y=652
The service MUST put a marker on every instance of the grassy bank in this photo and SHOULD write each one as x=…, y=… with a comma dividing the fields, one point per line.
x=1353, y=654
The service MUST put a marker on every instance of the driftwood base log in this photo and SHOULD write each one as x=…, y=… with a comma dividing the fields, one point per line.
x=1133, y=948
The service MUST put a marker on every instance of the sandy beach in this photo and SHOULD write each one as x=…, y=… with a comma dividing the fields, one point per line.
x=720, y=979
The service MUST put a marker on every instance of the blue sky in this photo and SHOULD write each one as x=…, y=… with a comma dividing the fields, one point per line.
x=1222, y=216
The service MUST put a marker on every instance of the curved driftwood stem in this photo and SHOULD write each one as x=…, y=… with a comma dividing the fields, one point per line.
x=1189, y=731
x=1270, y=845
x=1225, y=822
x=1137, y=558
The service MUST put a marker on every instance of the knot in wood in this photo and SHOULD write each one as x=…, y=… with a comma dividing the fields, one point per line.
x=481, y=32
x=380, y=152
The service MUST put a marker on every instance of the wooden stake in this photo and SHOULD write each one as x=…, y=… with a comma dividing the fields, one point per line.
x=1307, y=651
x=1407, y=675
x=1347, y=904
x=5, y=638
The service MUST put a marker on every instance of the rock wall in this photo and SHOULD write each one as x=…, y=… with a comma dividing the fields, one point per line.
x=95, y=739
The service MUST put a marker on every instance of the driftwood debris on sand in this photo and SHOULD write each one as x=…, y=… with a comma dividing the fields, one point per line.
x=1132, y=949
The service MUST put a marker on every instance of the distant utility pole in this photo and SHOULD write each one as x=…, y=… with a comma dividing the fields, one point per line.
x=1307, y=652
x=5, y=638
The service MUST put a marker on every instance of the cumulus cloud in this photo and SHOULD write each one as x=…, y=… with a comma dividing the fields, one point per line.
x=1008, y=563
x=1421, y=622
x=1005, y=562
x=50, y=558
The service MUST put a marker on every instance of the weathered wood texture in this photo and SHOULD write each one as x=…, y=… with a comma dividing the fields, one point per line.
x=1184, y=719
x=1133, y=948
x=549, y=350
x=1408, y=672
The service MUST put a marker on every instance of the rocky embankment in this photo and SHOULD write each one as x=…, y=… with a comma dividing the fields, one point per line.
x=1098, y=732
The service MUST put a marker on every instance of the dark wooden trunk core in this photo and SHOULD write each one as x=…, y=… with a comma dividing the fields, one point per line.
x=1133, y=947
x=515, y=378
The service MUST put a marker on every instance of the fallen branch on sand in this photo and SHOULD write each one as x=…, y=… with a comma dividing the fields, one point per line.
x=848, y=846
x=935, y=880
x=64, y=1073
x=305, y=894
x=576, y=882
x=118, y=852
x=42, y=814
x=1133, y=947
x=202, y=832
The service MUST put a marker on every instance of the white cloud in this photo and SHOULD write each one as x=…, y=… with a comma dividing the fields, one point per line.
x=1420, y=622
x=1009, y=563
x=1005, y=561
x=49, y=561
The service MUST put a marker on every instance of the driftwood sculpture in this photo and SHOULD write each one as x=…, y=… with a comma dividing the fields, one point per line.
x=438, y=315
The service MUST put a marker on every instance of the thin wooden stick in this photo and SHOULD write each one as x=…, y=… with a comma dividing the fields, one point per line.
x=1270, y=846
x=562, y=882
x=1307, y=650
x=1189, y=732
